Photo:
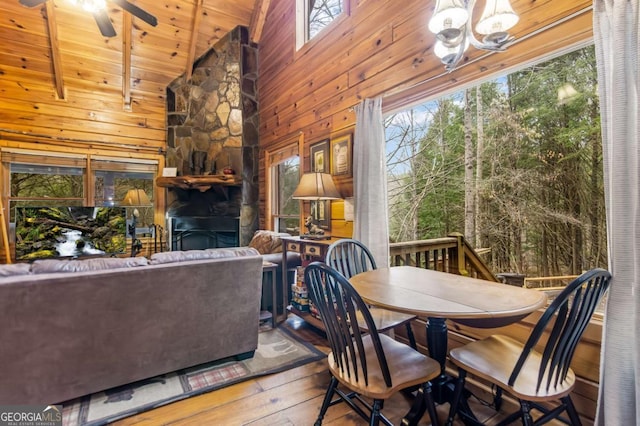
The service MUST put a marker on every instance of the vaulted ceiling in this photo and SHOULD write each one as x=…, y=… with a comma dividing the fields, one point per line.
x=59, y=43
x=63, y=82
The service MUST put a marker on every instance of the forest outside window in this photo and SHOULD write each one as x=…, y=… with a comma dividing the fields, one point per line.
x=515, y=164
x=285, y=175
x=312, y=16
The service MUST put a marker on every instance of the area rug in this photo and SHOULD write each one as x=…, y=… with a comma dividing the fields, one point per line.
x=277, y=351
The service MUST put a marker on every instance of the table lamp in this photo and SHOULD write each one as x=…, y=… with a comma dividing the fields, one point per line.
x=315, y=186
x=135, y=198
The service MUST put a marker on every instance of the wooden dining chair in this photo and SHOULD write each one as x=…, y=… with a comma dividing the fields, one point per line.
x=351, y=257
x=371, y=364
x=535, y=376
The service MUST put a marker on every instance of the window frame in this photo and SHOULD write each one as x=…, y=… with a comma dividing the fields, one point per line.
x=272, y=162
x=86, y=162
x=302, y=23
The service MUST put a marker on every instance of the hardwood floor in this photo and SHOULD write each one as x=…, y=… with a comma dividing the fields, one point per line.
x=293, y=397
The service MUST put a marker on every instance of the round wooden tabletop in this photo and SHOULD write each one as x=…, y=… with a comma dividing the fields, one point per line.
x=428, y=293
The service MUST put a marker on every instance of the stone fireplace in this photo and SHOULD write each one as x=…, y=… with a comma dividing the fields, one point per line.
x=212, y=136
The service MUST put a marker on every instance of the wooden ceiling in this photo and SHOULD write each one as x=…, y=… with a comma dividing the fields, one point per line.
x=62, y=82
x=60, y=44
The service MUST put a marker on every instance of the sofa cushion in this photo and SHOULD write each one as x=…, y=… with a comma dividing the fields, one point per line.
x=44, y=266
x=14, y=269
x=267, y=242
x=212, y=253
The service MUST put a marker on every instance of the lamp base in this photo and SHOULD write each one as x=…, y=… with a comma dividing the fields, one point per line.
x=315, y=237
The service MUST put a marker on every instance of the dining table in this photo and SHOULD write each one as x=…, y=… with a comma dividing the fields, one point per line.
x=438, y=296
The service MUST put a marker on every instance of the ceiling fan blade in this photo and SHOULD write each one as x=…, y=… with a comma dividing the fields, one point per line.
x=31, y=3
x=137, y=12
x=104, y=23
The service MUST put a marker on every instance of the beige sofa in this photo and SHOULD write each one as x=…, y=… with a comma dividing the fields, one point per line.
x=67, y=334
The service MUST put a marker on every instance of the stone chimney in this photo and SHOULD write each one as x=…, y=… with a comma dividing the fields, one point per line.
x=212, y=126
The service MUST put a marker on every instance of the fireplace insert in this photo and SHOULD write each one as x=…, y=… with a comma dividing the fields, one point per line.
x=198, y=232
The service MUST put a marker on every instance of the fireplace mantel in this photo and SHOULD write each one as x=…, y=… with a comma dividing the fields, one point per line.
x=200, y=183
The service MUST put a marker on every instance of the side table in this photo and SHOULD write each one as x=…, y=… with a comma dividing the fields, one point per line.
x=269, y=270
x=310, y=250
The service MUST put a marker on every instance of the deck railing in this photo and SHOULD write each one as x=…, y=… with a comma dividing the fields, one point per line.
x=448, y=254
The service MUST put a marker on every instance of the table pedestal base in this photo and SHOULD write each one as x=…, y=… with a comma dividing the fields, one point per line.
x=443, y=386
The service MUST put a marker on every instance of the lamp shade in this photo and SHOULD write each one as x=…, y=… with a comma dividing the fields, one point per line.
x=316, y=186
x=136, y=197
x=498, y=16
x=448, y=19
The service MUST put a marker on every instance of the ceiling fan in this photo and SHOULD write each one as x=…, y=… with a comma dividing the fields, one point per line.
x=100, y=13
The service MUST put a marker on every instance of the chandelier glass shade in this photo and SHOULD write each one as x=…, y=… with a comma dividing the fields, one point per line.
x=451, y=23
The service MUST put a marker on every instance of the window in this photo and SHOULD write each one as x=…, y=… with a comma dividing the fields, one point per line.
x=312, y=16
x=62, y=180
x=45, y=181
x=535, y=196
x=114, y=177
x=285, y=210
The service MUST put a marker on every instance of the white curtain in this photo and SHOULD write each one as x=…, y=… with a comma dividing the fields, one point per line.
x=371, y=216
x=616, y=25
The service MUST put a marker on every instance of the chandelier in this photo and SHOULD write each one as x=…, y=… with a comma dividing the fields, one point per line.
x=451, y=23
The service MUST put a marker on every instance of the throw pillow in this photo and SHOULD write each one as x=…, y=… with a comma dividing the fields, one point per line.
x=267, y=242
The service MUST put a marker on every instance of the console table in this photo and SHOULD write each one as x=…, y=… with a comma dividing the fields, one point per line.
x=310, y=251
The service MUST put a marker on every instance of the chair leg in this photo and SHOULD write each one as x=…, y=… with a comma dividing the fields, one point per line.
x=457, y=394
x=327, y=400
x=527, y=420
x=571, y=411
x=412, y=338
x=375, y=412
x=497, y=400
x=431, y=405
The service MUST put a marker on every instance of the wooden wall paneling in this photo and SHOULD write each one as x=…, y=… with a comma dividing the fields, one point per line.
x=416, y=88
x=37, y=97
x=301, y=110
x=105, y=117
x=48, y=134
x=89, y=126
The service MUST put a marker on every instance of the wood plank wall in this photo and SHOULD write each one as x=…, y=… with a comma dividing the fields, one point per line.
x=380, y=48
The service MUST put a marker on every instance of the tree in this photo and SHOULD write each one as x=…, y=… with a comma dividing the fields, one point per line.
x=536, y=196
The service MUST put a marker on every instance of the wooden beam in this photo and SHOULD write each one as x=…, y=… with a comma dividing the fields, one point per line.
x=126, y=61
x=56, y=62
x=197, y=17
x=257, y=20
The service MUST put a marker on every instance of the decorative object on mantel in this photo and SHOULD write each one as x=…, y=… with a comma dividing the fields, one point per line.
x=318, y=188
x=451, y=23
x=201, y=183
x=135, y=198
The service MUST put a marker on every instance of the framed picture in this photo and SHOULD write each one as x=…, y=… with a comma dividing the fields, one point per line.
x=341, y=155
x=319, y=156
x=321, y=213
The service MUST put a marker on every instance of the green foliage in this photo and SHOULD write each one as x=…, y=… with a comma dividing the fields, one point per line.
x=540, y=199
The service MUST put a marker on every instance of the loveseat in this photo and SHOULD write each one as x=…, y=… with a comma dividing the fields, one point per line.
x=71, y=328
